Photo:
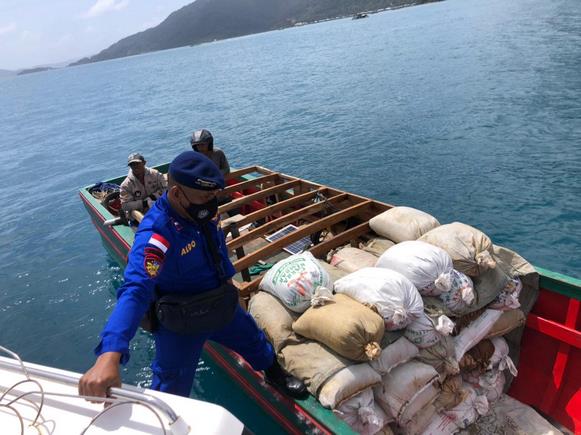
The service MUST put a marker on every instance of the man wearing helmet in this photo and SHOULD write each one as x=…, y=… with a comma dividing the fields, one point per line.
x=202, y=141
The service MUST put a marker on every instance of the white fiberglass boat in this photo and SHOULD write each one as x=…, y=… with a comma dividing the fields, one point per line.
x=36, y=399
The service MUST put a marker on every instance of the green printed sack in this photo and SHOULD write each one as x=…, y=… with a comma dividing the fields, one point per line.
x=298, y=281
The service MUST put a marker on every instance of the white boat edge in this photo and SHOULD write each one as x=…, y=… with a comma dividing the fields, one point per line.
x=64, y=412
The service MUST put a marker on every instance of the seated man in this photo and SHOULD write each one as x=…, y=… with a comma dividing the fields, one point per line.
x=203, y=142
x=142, y=187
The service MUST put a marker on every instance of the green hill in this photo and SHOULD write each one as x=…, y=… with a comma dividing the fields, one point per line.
x=209, y=20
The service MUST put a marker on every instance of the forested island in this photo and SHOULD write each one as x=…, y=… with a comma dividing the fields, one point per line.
x=209, y=20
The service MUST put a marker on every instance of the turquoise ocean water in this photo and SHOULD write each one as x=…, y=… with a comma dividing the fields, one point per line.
x=468, y=110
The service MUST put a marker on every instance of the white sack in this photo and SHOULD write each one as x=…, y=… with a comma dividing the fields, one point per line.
x=397, y=353
x=489, y=384
x=362, y=413
x=347, y=383
x=393, y=295
x=500, y=359
x=298, y=281
x=403, y=223
x=474, y=332
x=428, y=267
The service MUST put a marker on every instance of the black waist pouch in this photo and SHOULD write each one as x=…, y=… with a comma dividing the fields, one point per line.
x=202, y=313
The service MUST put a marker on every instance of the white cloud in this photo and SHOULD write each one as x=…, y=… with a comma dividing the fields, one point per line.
x=7, y=29
x=104, y=6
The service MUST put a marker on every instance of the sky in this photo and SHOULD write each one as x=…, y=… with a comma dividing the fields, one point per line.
x=42, y=32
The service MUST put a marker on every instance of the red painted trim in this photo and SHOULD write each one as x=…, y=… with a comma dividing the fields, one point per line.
x=102, y=218
x=288, y=425
x=556, y=330
x=112, y=243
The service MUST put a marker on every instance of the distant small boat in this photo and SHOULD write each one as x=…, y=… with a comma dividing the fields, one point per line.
x=360, y=15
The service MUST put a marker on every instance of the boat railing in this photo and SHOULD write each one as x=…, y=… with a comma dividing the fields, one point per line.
x=118, y=396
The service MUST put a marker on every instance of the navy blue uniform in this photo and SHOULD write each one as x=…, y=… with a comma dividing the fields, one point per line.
x=170, y=255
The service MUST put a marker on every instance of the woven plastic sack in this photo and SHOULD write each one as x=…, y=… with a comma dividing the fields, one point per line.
x=441, y=357
x=351, y=259
x=461, y=295
x=474, y=332
x=407, y=389
x=394, y=297
x=471, y=250
x=397, y=353
x=428, y=267
x=500, y=359
x=298, y=281
x=273, y=318
x=508, y=321
x=334, y=272
x=452, y=393
x=376, y=245
x=508, y=297
x=424, y=331
x=459, y=417
x=347, y=383
x=362, y=413
x=477, y=358
x=298, y=359
x=489, y=383
x=346, y=326
x=403, y=223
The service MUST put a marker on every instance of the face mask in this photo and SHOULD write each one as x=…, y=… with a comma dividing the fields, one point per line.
x=202, y=213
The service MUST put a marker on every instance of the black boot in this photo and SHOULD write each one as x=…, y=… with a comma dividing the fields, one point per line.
x=284, y=382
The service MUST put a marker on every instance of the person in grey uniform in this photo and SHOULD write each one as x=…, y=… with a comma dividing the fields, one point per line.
x=202, y=141
x=142, y=187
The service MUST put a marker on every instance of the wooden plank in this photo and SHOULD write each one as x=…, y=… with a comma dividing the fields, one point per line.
x=279, y=206
x=340, y=239
x=306, y=230
x=249, y=183
x=241, y=172
x=258, y=195
x=284, y=220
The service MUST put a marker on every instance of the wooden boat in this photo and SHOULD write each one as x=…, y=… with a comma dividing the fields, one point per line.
x=549, y=380
x=43, y=400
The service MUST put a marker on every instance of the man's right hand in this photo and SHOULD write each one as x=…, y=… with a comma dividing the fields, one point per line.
x=102, y=376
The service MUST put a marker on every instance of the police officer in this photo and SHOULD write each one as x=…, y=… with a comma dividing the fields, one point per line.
x=170, y=255
x=142, y=187
x=202, y=141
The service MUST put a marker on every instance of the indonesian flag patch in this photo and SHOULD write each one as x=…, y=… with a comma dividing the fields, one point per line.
x=155, y=250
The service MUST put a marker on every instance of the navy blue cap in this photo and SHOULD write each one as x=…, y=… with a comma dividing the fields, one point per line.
x=195, y=170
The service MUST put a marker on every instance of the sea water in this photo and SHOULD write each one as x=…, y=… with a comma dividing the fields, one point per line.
x=468, y=110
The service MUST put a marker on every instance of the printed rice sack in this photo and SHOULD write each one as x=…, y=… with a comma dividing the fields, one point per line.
x=471, y=250
x=347, y=383
x=428, y=267
x=397, y=353
x=508, y=297
x=298, y=281
x=351, y=259
x=376, y=245
x=346, y=326
x=403, y=223
x=394, y=297
x=406, y=390
x=274, y=319
x=424, y=331
x=298, y=359
x=460, y=298
x=362, y=413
